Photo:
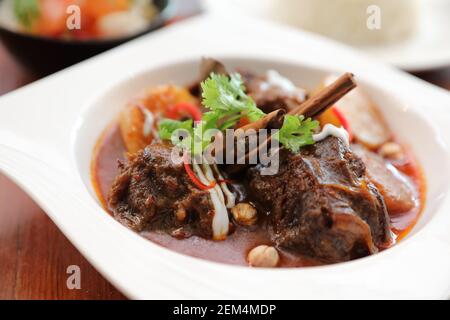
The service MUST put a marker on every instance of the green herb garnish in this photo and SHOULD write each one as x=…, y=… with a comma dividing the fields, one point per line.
x=173, y=129
x=26, y=11
x=168, y=126
x=296, y=132
x=226, y=96
x=227, y=101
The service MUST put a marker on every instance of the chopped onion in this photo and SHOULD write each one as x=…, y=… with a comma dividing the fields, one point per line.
x=210, y=177
x=231, y=199
x=220, y=223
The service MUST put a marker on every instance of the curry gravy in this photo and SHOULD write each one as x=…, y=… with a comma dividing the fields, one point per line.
x=104, y=168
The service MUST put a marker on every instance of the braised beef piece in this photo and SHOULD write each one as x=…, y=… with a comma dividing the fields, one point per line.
x=268, y=99
x=152, y=192
x=207, y=65
x=322, y=204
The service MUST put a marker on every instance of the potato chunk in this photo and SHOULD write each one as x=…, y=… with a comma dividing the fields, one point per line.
x=365, y=120
x=138, y=120
x=398, y=192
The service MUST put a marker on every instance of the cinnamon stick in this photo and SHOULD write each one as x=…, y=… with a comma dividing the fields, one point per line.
x=326, y=97
x=271, y=120
x=312, y=107
x=315, y=105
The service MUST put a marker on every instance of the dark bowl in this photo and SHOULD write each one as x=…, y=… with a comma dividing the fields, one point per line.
x=43, y=55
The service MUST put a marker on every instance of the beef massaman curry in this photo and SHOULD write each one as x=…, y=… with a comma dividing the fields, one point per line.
x=344, y=188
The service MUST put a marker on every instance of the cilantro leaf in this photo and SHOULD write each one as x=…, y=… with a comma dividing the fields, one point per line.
x=202, y=135
x=26, y=11
x=226, y=96
x=296, y=132
x=188, y=137
x=173, y=130
x=168, y=126
x=227, y=102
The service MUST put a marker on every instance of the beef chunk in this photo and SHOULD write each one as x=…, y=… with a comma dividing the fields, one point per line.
x=152, y=192
x=321, y=203
x=207, y=66
x=269, y=99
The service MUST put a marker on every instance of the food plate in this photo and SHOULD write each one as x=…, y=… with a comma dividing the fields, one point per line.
x=428, y=48
x=48, y=130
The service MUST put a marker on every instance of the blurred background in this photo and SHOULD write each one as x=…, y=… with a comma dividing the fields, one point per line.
x=410, y=34
x=39, y=37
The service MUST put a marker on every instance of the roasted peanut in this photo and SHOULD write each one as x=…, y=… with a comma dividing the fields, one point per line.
x=263, y=256
x=391, y=150
x=244, y=214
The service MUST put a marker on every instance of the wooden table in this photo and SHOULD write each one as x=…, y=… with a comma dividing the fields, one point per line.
x=34, y=254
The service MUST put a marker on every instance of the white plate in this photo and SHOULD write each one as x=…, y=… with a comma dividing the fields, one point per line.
x=428, y=49
x=48, y=128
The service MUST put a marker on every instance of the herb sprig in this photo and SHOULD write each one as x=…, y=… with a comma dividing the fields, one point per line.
x=227, y=102
x=296, y=132
x=226, y=97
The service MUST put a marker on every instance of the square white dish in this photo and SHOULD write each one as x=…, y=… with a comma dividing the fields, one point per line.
x=47, y=131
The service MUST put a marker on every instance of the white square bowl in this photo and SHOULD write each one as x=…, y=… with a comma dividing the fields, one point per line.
x=48, y=129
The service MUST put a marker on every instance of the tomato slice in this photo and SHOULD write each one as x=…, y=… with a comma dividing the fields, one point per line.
x=52, y=19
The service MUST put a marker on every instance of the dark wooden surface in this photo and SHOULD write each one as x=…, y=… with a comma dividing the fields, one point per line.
x=34, y=254
x=439, y=77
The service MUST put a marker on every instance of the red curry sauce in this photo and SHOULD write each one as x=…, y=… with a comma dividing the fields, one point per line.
x=104, y=168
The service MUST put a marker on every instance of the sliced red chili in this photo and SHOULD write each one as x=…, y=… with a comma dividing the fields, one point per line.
x=343, y=120
x=175, y=112
x=191, y=174
x=243, y=122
